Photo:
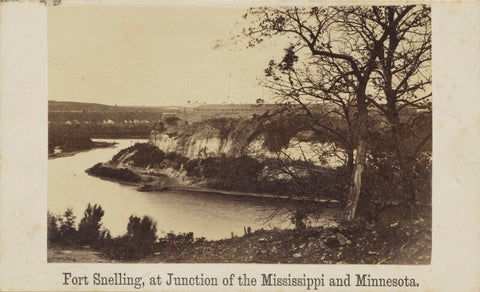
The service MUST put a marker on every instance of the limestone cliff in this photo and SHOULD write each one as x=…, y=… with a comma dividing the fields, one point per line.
x=194, y=146
x=204, y=140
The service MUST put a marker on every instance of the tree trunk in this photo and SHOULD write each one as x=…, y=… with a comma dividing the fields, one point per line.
x=394, y=120
x=359, y=162
x=356, y=181
x=350, y=161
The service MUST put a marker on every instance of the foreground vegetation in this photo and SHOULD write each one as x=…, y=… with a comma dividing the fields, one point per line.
x=138, y=242
x=358, y=243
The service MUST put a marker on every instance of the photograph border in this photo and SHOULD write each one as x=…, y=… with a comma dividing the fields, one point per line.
x=455, y=240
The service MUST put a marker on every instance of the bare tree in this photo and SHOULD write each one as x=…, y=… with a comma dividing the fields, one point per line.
x=352, y=59
x=402, y=78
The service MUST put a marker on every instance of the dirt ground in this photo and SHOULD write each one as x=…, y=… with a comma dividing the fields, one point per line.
x=59, y=254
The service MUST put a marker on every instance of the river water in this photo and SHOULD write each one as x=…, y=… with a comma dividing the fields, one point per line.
x=213, y=216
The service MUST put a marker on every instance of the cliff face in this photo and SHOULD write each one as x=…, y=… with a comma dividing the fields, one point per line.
x=194, y=146
x=208, y=142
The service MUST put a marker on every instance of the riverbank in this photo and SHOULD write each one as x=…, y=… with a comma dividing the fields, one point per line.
x=150, y=169
x=201, y=189
x=347, y=244
x=146, y=181
x=71, y=152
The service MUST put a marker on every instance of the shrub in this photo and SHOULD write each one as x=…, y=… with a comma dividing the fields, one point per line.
x=181, y=238
x=299, y=219
x=143, y=155
x=122, y=174
x=178, y=242
x=120, y=248
x=224, y=125
x=53, y=233
x=89, y=227
x=193, y=168
x=389, y=182
x=67, y=231
x=143, y=232
x=175, y=160
x=172, y=120
x=137, y=243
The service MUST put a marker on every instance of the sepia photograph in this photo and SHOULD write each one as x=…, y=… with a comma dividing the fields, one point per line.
x=264, y=134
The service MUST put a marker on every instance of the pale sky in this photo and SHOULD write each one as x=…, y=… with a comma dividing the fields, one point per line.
x=152, y=56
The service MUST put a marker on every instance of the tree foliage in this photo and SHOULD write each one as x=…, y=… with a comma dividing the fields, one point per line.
x=138, y=242
x=89, y=227
x=67, y=229
x=143, y=233
x=53, y=234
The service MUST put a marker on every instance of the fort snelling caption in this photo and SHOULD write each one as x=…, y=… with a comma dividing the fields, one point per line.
x=268, y=280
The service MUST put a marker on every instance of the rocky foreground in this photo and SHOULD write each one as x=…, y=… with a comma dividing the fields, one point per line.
x=355, y=244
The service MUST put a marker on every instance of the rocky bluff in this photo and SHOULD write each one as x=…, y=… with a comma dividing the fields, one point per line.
x=245, y=137
x=234, y=155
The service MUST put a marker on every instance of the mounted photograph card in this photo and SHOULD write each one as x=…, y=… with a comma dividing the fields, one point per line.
x=243, y=146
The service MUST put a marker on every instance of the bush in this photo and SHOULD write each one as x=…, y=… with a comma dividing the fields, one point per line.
x=122, y=174
x=61, y=229
x=144, y=155
x=175, y=243
x=120, y=248
x=137, y=243
x=299, y=218
x=181, y=238
x=67, y=232
x=53, y=234
x=401, y=185
x=172, y=120
x=192, y=168
x=225, y=126
x=143, y=232
x=175, y=160
x=89, y=227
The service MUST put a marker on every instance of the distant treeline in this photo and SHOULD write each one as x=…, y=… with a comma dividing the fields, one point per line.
x=72, y=124
x=68, y=138
x=105, y=117
x=86, y=106
x=79, y=137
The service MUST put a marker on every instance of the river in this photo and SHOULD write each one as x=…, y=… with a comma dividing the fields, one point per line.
x=209, y=215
